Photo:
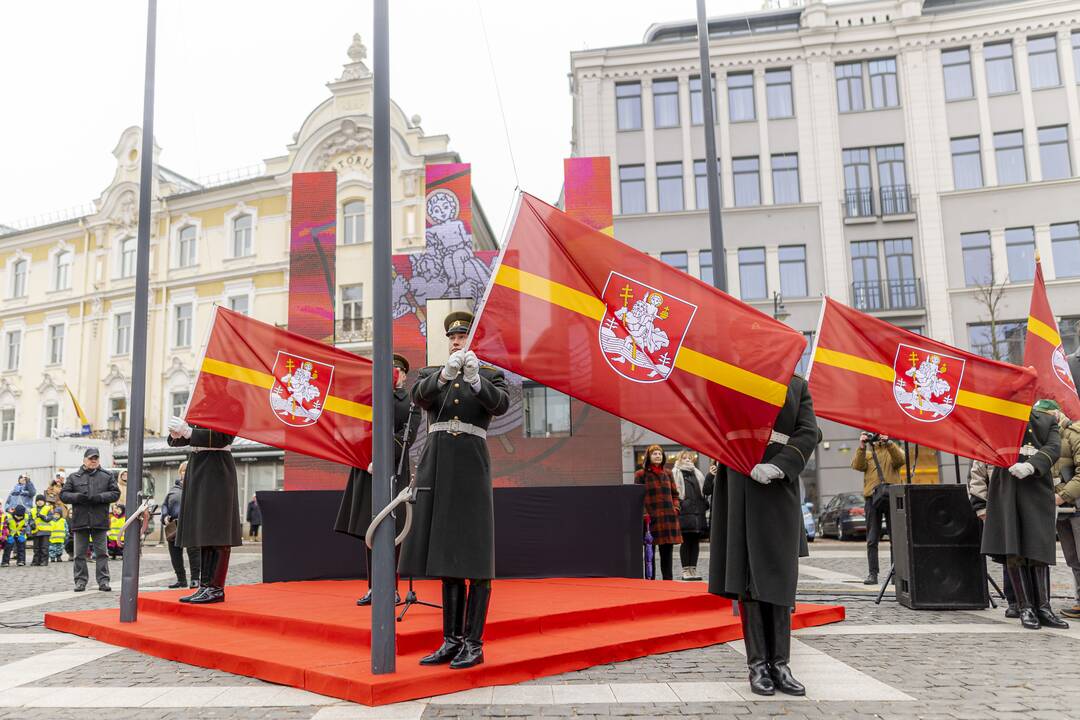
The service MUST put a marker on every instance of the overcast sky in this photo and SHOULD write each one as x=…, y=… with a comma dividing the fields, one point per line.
x=236, y=78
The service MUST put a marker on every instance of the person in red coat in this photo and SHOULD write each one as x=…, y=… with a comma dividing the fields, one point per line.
x=661, y=505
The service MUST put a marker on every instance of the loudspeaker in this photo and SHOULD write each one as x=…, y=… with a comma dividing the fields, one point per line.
x=936, y=548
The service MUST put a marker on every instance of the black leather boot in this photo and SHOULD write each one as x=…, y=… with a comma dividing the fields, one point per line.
x=453, y=618
x=215, y=592
x=1023, y=588
x=757, y=654
x=779, y=628
x=1045, y=613
x=472, y=652
x=206, y=561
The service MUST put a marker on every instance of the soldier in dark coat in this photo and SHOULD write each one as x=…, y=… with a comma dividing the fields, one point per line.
x=210, y=513
x=1019, y=529
x=453, y=531
x=757, y=534
x=354, y=514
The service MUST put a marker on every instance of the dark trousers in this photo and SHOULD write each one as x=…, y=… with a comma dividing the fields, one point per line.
x=667, y=551
x=20, y=552
x=873, y=534
x=83, y=539
x=688, y=551
x=41, y=550
x=254, y=532
x=176, y=555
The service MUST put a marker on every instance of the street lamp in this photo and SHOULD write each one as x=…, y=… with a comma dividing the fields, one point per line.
x=778, y=310
x=114, y=426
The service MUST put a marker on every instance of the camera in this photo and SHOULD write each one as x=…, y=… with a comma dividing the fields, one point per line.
x=873, y=438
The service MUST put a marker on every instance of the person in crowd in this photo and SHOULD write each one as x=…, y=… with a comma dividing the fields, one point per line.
x=978, y=485
x=210, y=511
x=693, y=523
x=52, y=496
x=453, y=530
x=1020, y=520
x=15, y=522
x=115, y=541
x=58, y=532
x=661, y=505
x=756, y=539
x=254, y=519
x=89, y=491
x=354, y=514
x=879, y=471
x=121, y=481
x=1066, y=474
x=42, y=518
x=22, y=494
x=170, y=513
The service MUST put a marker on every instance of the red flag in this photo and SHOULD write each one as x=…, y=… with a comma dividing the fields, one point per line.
x=283, y=389
x=578, y=311
x=872, y=375
x=1043, y=351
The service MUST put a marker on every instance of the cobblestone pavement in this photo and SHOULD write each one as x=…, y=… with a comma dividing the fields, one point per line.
x=945, y=665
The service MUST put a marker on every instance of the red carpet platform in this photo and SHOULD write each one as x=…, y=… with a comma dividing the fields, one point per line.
x=311, y=635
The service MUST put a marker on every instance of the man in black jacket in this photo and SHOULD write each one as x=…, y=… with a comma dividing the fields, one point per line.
x=89, y=491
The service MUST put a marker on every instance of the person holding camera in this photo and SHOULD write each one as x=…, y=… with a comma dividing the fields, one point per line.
x=879, y=471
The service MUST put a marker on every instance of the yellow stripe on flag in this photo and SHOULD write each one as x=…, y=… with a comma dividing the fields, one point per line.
x=1044, y=331
x=881, y=371
x=230, y=371
x=550, y=291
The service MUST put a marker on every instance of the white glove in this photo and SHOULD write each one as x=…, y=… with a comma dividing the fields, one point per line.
x=1022, y=470
x=453, y=366
x=178, y=427
x=370, y=467
x=472, y=368
x=765, y=473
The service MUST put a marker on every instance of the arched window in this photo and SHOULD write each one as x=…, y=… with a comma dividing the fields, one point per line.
x=241, y=234
x=127, y=257
x=354, y=222
x=186, y=246
x=62, y=274
x=18, y=278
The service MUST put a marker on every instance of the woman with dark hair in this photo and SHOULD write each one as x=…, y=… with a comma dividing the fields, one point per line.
x=661, y=505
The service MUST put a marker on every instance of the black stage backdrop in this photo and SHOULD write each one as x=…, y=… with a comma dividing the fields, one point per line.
x=574, y=531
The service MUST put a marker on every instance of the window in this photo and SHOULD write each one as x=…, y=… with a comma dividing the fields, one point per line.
x=7, y=424
x=892, y=180
x=127, y=257
x=999, y=68
x=632, y=188
x=241, y=233
x=866, y=288
x=547, y=411
x=849, y=88
x=883, y=89
x=747, y=184
x=186, y=249
x=697, y=109
x=793, y=270
x=50, y=413
x=778, y=93
x=240, y=304
x=12, y=349
x=1065, y=240
x=62, y=275
x=352, y=307
x=182, y=325
x=705, y=266
x=978, y=260
x=804, y=361
x=1069, y=327
x=178, y=401
x=752, y=283
x=1003, y=341
x=669, y=186
x=676, y=260
x=785, y=178
x=1042, y=62
x=118, y=408
x=122, y=333
x=701, y=185
x=628, y=105
x=665, y=103
x=1020, y=253
x=55, y=335
x=1011, y=165
x=740, y=96
x=18, y=278
x=902, y=287
x=354, y=222
x=1076, y=54
x=858, y=188
x=956, y=65
x=1054, y=153
x=966, y=163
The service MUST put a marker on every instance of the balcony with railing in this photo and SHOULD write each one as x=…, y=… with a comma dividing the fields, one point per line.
x=351, y=330
x=859, y=203
x=895, y=200
x=881, y=295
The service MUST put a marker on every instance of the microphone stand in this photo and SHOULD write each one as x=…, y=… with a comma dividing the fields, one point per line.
x=410, y=596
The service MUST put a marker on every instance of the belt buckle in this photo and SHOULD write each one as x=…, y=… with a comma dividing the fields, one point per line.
x=454, y=427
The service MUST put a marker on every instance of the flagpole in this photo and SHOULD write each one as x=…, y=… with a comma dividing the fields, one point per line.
x=712, y=172
x=129, y=584
x=383, y=639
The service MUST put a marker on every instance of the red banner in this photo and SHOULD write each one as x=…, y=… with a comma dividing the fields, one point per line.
x=584, y=314
x=1043, y=351
x=875, y=376
x=282, y=389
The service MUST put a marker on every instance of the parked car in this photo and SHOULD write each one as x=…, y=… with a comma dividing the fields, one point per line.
x=808, y=521
x=844, y=517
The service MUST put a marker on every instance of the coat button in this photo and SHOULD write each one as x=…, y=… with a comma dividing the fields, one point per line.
x=457, y=384
x=456, y=401
x=455, y=417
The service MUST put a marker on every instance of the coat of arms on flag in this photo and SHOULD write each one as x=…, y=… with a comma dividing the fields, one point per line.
x=300, y=389
x=927, y=383
x=643, y=329
x=1061, y=368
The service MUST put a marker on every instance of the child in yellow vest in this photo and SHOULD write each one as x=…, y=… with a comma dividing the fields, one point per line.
x=116, y=523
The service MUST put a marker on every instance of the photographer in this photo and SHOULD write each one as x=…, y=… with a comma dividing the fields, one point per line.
x=879, y=471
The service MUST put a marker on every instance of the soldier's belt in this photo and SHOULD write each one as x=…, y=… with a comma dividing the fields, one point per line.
x=457, y=427
x=202, y=449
